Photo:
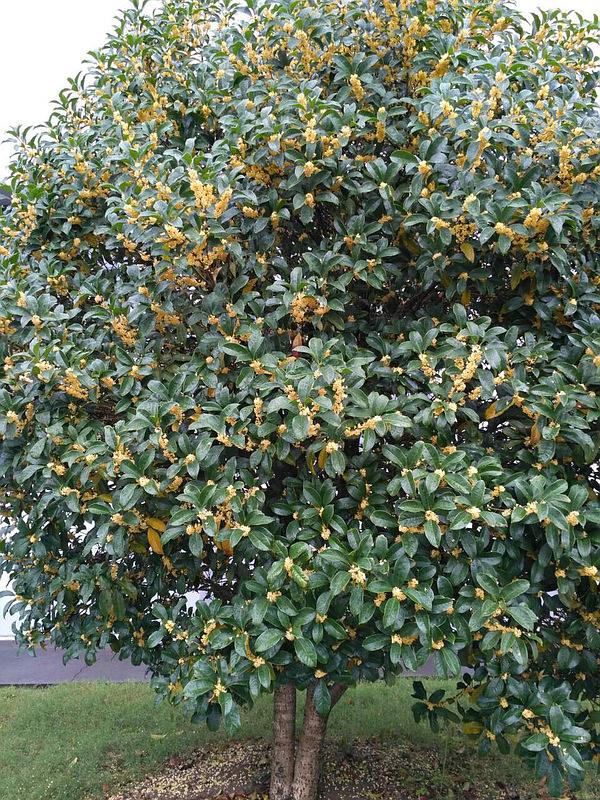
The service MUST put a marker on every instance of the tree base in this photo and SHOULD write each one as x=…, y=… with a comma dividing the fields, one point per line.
x=295, y=772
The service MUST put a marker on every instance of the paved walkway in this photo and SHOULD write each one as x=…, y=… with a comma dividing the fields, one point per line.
x=22, y=669
x=47, y=667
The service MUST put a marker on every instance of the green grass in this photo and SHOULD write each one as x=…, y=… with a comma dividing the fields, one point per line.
x=77, y=741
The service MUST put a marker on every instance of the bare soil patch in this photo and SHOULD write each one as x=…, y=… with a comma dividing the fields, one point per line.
x=369, y=769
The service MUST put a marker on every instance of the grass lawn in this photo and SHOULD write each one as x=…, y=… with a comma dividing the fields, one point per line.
x=87, y=740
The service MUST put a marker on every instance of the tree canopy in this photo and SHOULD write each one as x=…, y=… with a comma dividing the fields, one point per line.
x=299, y=309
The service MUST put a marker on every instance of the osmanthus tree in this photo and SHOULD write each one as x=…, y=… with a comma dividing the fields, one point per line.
x=299, y=310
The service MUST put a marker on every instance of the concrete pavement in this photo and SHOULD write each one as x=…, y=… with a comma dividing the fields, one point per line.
x=46, y=667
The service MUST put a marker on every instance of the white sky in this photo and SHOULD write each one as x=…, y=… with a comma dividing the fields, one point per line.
x=45, y=41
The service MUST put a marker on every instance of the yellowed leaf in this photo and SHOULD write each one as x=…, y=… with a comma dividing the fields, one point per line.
x=158, y=524
x=155, y=542
x=468, y=251
x=472, y=728
x=535, y=434
x=476, y=693
x=226, y=547
x=516, y=277
x=490, y=411
x=323, y=458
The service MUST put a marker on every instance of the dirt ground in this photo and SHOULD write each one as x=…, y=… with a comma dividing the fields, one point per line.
x=362, y=770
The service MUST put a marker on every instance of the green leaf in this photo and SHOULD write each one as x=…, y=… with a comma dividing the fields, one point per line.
x=523, y=616
x=268, y=639
x=196, y=545
x=129, y=495
x=433, y=533
x=305, y=650
x=300, y=426
x=339, y=582
x=514, y=589
x=488, y=583
x=536, y=742
x=156, y=638
x=423, y=597
x=384, y=519
x=404, y=157
x=391, y=612
x=377, y=641
x=322, y=698
x=447, y=663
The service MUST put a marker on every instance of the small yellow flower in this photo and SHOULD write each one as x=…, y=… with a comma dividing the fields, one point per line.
x=357, y=575
x=357, y=87
x=504, y=230
x=589, y=572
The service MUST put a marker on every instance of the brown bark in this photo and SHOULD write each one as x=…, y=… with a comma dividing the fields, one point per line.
x=307, y=769
x=284, y=737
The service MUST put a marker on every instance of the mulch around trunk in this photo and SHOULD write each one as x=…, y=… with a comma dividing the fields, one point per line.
x=361, y=770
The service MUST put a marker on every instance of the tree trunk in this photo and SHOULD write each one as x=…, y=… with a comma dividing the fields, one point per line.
x=307, y=769
x=284, y=736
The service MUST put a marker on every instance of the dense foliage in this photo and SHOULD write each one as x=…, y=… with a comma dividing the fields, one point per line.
x=299, y=309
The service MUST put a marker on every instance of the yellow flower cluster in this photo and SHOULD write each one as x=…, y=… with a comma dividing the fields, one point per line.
x=163, y=318
x=301, y=305
x=357, y=87
x=535, y=221
x=357, y=575
x=204, y=193
x=121, y=327
x=368, y=425
x=73, y=386
x=172, y=238
x=504, y=230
